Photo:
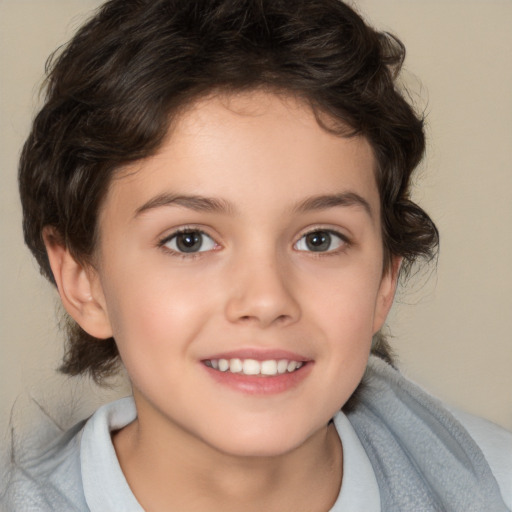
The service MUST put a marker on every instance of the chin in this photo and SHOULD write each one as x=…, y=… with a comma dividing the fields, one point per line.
x=261, y=449
x=273, y=442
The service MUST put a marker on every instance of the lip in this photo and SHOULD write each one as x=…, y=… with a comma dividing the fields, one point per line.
x=259, y=355
x=259, y=384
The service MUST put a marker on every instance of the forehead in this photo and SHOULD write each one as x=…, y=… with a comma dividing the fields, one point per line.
x=251, y=145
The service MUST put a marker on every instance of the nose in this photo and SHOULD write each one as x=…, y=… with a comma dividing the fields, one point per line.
x=260, y=293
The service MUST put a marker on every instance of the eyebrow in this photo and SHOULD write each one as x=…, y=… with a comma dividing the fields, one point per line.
x=215, y=205
x=323, y=202
x=197, y=203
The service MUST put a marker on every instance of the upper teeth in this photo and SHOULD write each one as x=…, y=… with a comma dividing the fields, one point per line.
x=253, y=367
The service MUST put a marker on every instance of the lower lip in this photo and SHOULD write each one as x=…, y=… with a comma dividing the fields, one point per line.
x=261, y=384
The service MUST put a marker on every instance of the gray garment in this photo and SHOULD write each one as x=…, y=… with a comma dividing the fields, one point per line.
x=423, y=458
x=44, y=473
x=401, y=448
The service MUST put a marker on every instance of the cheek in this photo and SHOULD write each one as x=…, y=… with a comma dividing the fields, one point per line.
x=345, y=301
x=155, y=310
x=346, y=316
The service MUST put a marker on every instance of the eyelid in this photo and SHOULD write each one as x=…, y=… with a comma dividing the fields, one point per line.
x=345, y=239
x=164, y=240
x=185, y=228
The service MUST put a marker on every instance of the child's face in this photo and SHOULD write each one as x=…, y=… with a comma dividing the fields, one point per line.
x=252, y=234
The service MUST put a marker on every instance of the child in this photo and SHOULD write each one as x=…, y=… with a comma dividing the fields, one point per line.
x=219, y=190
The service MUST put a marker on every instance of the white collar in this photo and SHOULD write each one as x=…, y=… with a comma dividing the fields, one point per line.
x=359, y=488
x=105, y=486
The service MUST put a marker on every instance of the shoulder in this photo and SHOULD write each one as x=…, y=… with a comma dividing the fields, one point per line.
x=48, y=469
x=458, y=461
x=496, y=445
x=42, y=471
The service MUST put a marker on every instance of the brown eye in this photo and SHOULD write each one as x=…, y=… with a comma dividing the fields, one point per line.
x=190, y=241
x=320, y=241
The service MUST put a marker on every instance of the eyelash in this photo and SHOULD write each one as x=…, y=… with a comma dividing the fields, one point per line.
x=345, y=242
x=185, y=230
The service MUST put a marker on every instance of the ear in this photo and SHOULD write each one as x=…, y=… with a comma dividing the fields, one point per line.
x=79, y=288
x=386, y=293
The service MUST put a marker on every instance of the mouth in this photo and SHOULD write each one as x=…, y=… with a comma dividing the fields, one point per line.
x=253, y=367
x=258, y=372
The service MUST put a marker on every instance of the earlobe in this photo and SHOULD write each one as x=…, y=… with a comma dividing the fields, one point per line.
x=79, y=288
x=386, y=294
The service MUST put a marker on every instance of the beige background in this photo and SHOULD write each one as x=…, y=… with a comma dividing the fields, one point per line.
x=453, y=331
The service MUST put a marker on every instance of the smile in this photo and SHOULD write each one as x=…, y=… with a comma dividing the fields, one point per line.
x=269, y=367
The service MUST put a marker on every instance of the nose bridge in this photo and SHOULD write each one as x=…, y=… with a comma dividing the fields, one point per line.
x=261, y=289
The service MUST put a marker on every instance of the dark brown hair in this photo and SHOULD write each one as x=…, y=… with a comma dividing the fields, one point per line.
x=116, y=87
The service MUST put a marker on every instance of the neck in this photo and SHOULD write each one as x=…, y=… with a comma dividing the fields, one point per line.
x=170, y=472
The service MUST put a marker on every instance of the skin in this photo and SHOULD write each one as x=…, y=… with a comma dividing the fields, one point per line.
x=199, y=444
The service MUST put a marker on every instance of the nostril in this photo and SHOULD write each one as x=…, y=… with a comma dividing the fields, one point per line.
x=262, y=305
